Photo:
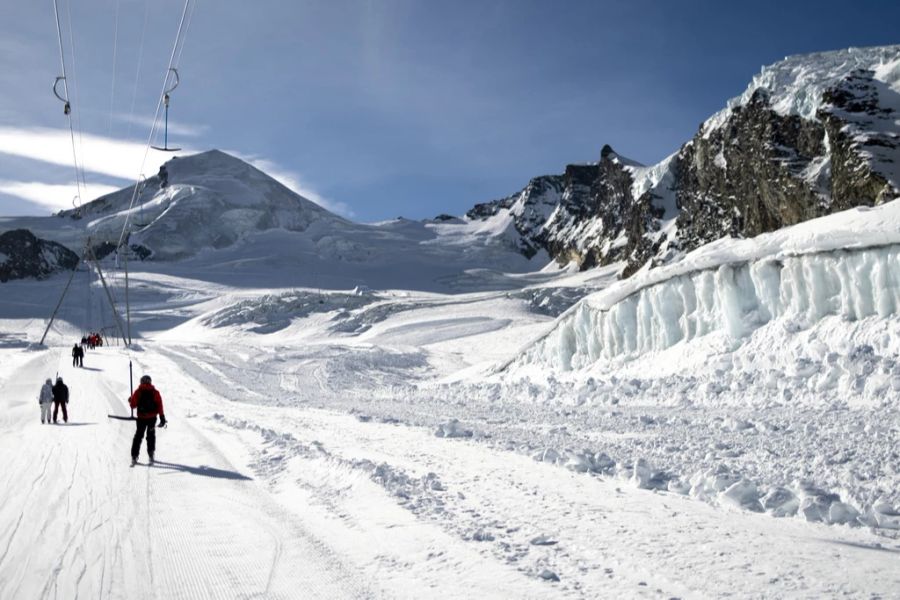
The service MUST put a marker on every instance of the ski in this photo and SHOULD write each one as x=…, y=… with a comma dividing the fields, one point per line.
x=120, y=417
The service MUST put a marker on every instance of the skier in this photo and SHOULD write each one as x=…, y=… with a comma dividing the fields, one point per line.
x=77, y=356
x=45, y=399
x=163, y=177
x=60, y=398
x=148, y=402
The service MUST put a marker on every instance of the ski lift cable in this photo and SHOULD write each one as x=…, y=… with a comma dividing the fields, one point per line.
x=140, y=61
x=67, y=110
x=187, y=28
x=175, y=45
x=112, y=91
x=77, y=97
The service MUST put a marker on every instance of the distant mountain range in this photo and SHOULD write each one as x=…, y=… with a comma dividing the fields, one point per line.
x=811, y=135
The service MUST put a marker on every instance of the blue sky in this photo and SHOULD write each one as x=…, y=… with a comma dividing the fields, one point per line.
x=384, y=108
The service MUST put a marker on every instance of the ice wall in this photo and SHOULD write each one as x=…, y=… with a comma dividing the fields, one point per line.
x=731, y=299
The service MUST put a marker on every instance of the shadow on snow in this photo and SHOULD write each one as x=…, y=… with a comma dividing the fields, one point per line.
x=201, y=470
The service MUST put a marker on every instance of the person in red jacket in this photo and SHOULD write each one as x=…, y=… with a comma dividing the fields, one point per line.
x=148, y=403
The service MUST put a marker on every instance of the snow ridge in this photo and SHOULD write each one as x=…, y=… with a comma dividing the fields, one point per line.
x=796, y=84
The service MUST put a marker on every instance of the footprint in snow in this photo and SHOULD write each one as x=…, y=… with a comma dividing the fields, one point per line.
x=543, y=540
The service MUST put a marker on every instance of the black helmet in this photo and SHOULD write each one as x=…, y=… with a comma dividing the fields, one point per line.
x=145, y=379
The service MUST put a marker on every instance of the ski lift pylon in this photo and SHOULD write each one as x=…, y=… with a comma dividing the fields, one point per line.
x=176, y=81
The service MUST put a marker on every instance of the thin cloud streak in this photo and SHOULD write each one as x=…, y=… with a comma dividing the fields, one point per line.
x=120, y=159
x=54, y=197
x=103, y=155
x=177, y=128
x=294, y=182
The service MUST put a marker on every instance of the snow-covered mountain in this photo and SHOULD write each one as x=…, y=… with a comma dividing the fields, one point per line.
x=221, y=216
x=211, y=200
x=811, y=135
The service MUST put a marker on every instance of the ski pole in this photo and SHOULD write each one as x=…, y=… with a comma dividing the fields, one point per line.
x=130, y=385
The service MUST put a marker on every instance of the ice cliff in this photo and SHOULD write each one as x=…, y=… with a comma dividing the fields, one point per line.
x=845, y=265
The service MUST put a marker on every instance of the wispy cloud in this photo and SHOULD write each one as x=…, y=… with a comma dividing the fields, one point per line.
x=116, y=158
x=294, y=182
x=98, y=154
x=176, y=128
x=54, y=197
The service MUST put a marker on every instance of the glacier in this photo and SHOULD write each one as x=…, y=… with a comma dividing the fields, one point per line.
x=732, y=299
x=844, y=265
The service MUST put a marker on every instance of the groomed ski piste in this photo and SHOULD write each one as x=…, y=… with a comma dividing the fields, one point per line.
x=724, y=426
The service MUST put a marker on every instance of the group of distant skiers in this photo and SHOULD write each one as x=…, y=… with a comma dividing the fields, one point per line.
x=92, y=340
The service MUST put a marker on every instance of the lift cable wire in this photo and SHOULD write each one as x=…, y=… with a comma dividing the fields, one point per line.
x=77, y=114
x=175, y=46
x=112, y=90
x=67, y=109
x=140, y=61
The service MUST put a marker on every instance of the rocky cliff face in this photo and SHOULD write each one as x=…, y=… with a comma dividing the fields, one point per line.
x=811, y=135
x=24, y=255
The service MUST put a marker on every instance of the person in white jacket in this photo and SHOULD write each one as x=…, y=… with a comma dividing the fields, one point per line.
x=46, y=401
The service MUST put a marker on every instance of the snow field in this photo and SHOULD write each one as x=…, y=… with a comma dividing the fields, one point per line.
x=88, y=525
x=511, y=510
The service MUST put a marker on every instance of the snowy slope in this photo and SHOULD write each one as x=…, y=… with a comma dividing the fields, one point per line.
x=805, y=318
x=251, y=499
x=224, y=218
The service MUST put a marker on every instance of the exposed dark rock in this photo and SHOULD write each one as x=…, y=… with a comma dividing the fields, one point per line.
x=23, y=255
x=753, y=172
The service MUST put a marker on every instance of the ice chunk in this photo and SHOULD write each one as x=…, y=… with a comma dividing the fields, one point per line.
x=781, y=502
x=453, y=429
x=742, y=494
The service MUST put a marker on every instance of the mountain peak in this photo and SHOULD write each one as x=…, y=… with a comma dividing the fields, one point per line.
x=795, y=85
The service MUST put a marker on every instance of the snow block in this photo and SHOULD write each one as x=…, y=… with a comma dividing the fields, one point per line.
x=742, y=494
x=780, y=502
x=645, y=477
x=453, y=429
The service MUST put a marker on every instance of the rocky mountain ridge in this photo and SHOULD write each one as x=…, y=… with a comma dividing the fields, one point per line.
x=24, y=255
x=812, y=135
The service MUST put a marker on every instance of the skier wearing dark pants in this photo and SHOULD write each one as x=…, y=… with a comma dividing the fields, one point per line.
x=77, y=356
x=60, y=399
x=148, y=403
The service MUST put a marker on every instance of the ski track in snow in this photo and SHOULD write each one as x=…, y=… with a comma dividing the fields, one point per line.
x=89, y=526
x=599, y=541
